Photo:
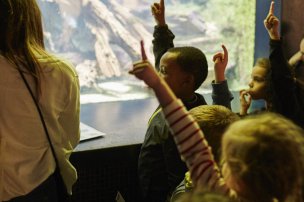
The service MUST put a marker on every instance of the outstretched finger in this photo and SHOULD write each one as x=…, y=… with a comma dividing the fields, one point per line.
x=271, y=9
x=225, y=52
x=143, y=52
x=162, y=4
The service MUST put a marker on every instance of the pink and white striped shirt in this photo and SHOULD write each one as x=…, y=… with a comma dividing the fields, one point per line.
x=194, y=149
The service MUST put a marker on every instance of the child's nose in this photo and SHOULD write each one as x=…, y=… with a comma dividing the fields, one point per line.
x=250, y=84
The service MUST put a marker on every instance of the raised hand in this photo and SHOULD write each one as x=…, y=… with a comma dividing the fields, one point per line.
x=158, y=11
x=245, y=102
x=220, y=63
x=272, y=23
x=143, y=69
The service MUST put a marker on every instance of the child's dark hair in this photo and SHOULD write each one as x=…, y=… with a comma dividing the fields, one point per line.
x=193, y=61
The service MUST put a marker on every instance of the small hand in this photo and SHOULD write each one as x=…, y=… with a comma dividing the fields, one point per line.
x=143, y=69
x=158, y=11
x=220, y=63
x=272, y=23
x=245, y=102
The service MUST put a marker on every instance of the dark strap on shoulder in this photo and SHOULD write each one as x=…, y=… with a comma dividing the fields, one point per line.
x=40, y=115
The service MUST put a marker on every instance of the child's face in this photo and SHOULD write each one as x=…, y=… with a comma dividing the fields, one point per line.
x=173, y=74
x=257, y=85
x=230, y=180
x=230, y=177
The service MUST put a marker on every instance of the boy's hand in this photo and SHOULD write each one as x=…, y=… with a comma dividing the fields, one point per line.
x=244, y=102
x=272, y=23
x=143, y=69
x=158, y=11
x=220, y=63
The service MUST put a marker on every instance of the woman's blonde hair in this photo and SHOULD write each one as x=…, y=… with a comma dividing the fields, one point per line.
x=21, y=35
x=265, y=153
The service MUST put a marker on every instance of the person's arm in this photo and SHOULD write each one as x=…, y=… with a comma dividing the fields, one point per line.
x=186, y=132
x=296, y=58
x=221, y=94
x=163, y=37
x=284, y=87
x=69, y=119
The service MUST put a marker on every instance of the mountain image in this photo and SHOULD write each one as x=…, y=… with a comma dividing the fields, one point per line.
x=101, y=37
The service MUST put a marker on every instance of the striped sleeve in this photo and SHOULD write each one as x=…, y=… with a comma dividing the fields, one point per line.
x=193, y=148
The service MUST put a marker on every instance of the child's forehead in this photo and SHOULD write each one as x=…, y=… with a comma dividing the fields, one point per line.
x=169, y=56
x=258, y=70
x=168, y=60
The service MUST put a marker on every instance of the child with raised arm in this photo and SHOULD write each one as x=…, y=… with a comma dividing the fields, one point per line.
x=163, y=41
x=276, y=82
x=260, y=87
x=287, y=96
x=254, y=150
x=160, y=168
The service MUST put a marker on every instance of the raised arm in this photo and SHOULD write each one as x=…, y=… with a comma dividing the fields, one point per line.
x=298, y=57
x=285, y=98
x=279, y=64
x=272, y=24
x=158, y=11
x=163, y=37
x=221, y=94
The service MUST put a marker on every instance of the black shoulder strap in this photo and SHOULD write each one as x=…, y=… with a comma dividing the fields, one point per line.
x=40, y=115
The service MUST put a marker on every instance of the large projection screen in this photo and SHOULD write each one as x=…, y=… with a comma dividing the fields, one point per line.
x=101, y=38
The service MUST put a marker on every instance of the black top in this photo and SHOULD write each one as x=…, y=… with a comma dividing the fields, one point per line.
x=160, y=167
x=287, y=94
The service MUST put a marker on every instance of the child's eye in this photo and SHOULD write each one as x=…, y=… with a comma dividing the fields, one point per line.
x=258, y=79
x=162, y=71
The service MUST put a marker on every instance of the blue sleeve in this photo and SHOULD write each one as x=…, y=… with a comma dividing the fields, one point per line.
x=221, y=94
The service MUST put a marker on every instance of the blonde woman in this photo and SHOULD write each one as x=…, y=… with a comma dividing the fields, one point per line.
x=27, y=162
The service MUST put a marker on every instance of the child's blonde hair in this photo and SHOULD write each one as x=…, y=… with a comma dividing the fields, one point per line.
x=265, y=154
x=213, y=120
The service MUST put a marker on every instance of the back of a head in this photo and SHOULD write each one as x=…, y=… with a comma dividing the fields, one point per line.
x=213, y=120
x=20, y=25
x=193, y=61
x=21, y=35
x=265, y=153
